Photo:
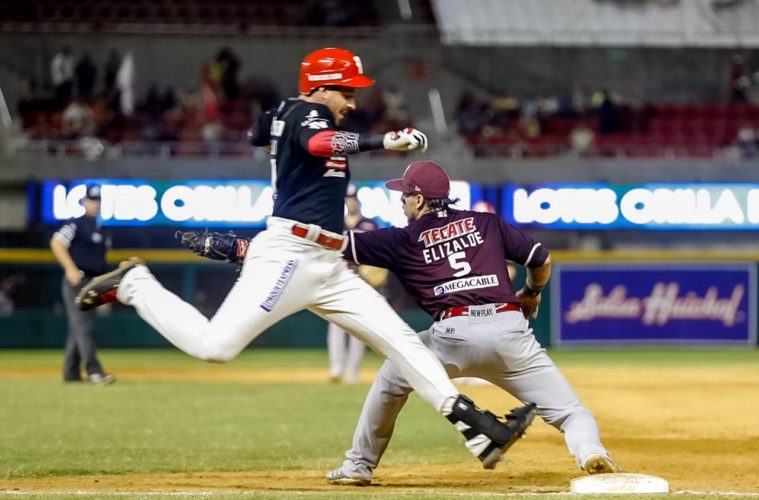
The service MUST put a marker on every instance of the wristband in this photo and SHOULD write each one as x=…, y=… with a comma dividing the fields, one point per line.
x=530, y=292
x=369, y=142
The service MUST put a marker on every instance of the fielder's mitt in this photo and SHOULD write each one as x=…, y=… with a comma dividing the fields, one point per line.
x=215, y=246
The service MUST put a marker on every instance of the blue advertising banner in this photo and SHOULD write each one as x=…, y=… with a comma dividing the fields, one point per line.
x=216, y=203
x=655, y=206
x=653, y=303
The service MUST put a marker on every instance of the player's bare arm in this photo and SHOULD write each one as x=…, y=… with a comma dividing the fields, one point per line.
x=530, y=294
x=61, y=252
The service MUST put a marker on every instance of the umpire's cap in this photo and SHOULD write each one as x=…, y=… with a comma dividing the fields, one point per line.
x=93, y=193
x=422, y=177
x=331, y=66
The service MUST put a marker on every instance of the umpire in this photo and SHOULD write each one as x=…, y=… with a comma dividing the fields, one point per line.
x=79, y=247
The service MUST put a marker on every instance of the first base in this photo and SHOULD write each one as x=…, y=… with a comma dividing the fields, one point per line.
x=619, y=483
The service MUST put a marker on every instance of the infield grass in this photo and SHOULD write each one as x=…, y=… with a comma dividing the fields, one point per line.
x=150, y=425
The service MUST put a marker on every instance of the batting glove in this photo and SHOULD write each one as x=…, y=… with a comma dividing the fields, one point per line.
x=408, y=139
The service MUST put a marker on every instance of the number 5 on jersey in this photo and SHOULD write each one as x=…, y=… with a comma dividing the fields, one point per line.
x=458, y=261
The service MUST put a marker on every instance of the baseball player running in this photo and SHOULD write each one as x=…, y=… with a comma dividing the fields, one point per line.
x=454, y=263
x=296, y=263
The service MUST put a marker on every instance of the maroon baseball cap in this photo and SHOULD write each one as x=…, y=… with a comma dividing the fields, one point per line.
x=422, y=177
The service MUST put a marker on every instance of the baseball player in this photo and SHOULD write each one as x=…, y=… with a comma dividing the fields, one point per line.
x=347, y=352
x=296, y=263
x=454, y=264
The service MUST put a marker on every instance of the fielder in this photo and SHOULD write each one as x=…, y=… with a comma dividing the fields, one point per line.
x=296, y=263
x=454, y=264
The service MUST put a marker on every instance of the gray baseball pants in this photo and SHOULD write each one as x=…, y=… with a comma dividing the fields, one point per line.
x=80, y=344
x=502, y=351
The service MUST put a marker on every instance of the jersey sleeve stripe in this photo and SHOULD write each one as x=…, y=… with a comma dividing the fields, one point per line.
x=320, y=144
x=532, y=252
x=66, y=234
x=353, y=247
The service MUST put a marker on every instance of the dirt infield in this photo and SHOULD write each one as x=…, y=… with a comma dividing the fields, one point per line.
x=696, y=428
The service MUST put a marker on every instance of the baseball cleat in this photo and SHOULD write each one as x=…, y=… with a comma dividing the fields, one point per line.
x=102, y=289
x=517, y=422
x=599, y=464
x=101, y=378
x=338, y=477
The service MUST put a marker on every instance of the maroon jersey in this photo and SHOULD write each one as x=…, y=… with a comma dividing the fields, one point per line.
x=363, y=225
x=452, y=260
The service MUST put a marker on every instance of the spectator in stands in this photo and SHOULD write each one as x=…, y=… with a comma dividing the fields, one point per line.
x=501, y=112
x=62, y=74
x=582, y=100
x=739, y=81
x=339, y=13
x=77, y=120
x=748, y=140
x=529, y=127
x=224, y=70
x=171, y=125
x=152, y=105
x=86, y=74
x=608, y=119
x=110, y=89
x=209, y=93
x=168, y=99
x=582, y=139
x=469, y=112
x=752, y=91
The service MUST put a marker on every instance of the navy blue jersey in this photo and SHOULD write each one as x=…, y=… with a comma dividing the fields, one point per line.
x=86, y=244
x=309, y=172
x=449, y=261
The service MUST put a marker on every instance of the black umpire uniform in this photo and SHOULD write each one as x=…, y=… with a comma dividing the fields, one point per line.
x=80, y=248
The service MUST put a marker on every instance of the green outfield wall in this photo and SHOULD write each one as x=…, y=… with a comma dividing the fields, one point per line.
x=38, y=320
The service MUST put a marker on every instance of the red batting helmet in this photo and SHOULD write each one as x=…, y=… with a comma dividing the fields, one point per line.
x=332, y=66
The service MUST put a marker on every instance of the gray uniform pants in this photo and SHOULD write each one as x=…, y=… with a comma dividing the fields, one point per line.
x=80, y=344
x=500, y=349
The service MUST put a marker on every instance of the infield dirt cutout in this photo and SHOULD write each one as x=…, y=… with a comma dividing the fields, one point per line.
x=696, y=427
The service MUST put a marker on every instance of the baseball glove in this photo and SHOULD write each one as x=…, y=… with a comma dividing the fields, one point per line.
x=215, y=246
